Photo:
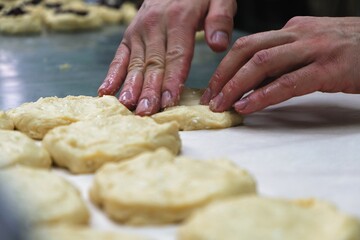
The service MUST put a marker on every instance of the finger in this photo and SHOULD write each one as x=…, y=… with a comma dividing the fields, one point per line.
x=243, y=49
x=264, y=64
x=300, y=82
x=117, y=72
x=149, y=102
x=180, y=50
x=130, y=93
x=219, y=24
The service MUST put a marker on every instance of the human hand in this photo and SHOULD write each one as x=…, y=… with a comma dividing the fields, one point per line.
x=154, y=57
x=308, y=54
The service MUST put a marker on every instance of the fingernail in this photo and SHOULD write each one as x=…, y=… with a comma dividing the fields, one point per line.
x=241, y=105
x=220, y=38
x=166, y=99
x=125, y=97
x=143, y=107
x=205, y=99
x=216, y=102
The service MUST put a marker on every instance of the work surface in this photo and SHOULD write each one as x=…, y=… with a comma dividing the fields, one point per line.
x=306, y=147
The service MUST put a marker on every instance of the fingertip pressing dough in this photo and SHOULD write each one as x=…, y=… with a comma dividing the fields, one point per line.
x=84, y=146
x=44, y=197
x=63, y=232
x=192, y=116
x=17, y=148
x=5, y=122
x=36, y=118
x=255, y=218
x=159, y=188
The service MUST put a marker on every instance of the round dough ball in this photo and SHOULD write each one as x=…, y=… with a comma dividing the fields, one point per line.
x=258, y=218
x=44, y=197
x=159, y=188
x=5, y=122
x=85, y=146
x=17, y=148
x=36, y=118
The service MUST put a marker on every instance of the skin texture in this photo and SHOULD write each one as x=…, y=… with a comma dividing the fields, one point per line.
x=153, y=60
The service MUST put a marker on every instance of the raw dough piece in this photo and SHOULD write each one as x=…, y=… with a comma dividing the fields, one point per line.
x=5, y=122
x=159, y=188
x=17, y=148
x=129, y=12
x=37, y=118
x=73, y=16
x=253, y=218
x=84, y=146
x=192, y=116
x=110, y=14
x=44, y=197
x=17, y=20
x=78, y=233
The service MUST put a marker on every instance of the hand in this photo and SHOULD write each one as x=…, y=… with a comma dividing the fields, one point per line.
x=154, y=57
x=308, y=54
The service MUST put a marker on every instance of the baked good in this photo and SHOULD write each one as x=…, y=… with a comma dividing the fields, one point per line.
x=255, y=218
x=159, y=188
x=44, y=197
x=85, y=146
x=37, y=118
x=17, y=148
x=17, y=20
x=62, y=232
x=5, y=122
x=190, y=115
x=72, y=16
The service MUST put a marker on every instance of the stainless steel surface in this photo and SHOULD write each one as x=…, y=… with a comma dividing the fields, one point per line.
x=58, y=64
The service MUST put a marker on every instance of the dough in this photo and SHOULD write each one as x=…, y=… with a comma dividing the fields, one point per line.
x=128, y=11
x=17, y=148
x=78, y=233
x=37, y=118
x=44, y=197
x=159, y=188
x=254, y=218
x=5, y=122
x=108, y=14
x=72, y=16
x=84, y=146
x=17, y=20
x=192, y=116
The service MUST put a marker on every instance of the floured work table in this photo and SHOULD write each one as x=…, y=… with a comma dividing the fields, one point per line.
x=305, y=147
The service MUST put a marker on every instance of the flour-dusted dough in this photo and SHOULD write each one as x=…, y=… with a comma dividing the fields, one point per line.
x=109, y=15
x=78, y=233
x=129, y=12
x=37, y=118
x=159, y=188
x=72, y=16
x=44, y=197
x=18, y=21
x=5, y=122
x=84, y=146
x=17, y=148
x=254, y=218
x=192, y=116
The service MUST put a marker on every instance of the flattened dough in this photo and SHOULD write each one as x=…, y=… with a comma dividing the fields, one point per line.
x=192, y=116
x=5, y=122
x=44, y=197
x=37, y=118
x=84, y=146
x=17, y=148
x=255, y=218
x=78, y=233
x=159, y=188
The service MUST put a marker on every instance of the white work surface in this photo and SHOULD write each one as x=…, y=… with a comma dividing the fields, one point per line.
x=306, y=147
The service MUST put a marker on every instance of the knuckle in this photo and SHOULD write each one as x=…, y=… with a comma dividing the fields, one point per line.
x=288, y=82
x=217, y=78
x=261, y=58
x=175, y=53
x=155, y=62
x=241, y=43
x=136, y=64
x=223, y=18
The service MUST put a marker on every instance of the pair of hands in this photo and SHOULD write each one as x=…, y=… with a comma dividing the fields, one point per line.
x=153, y=60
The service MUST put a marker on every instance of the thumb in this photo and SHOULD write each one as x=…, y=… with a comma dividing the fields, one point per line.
x=219, y=24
